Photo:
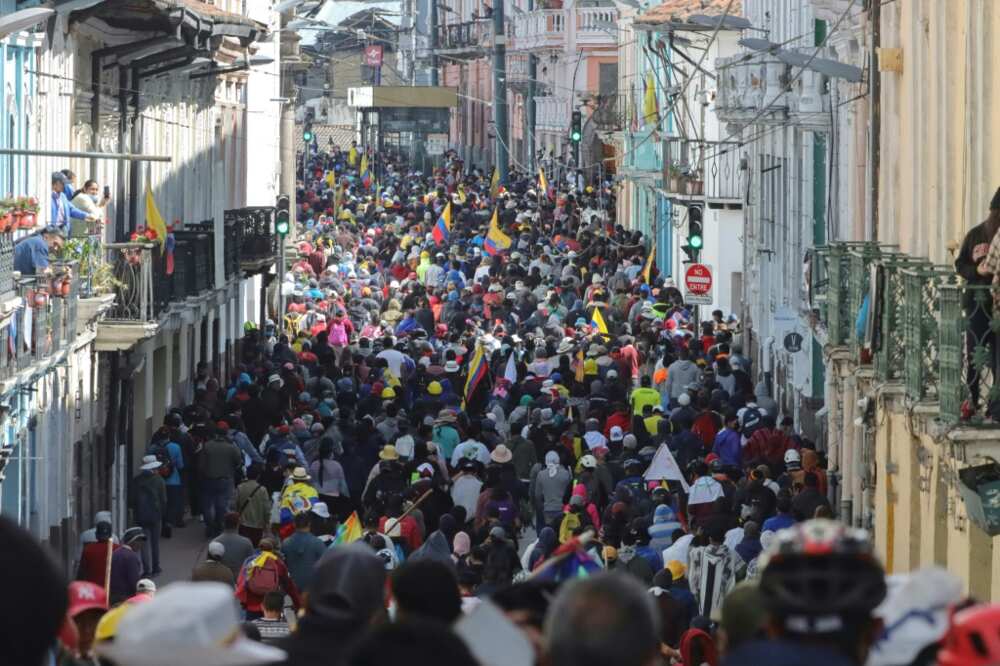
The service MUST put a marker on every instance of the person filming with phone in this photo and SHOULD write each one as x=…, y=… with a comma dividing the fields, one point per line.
x=90, y=200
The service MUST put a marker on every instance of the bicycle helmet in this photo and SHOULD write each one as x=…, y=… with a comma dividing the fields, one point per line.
x=820, y=573
x=973, y=637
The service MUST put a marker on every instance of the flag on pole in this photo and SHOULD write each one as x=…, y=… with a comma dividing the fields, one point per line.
x=366, y=176
x=510, y=373
x=543, y=184
x=496, y=240
x=443, y=226
x=349, y=531
x=633, y=109
x=478, y=369
x=650, y=105
x=597, y=321
x=649, y=263
x=352, y=156
x=579, y=366
x=461, y=193
x=664, y=467
x=495, y=183
x=154, y=220
x=337, y=195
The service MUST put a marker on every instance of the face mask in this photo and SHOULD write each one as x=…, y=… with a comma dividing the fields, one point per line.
x=329, y=401
x=93, y=197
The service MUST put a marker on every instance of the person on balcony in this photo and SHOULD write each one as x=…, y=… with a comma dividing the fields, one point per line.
x=31, y=254
x=90, y=201
x=62, y=209
x=979, y=269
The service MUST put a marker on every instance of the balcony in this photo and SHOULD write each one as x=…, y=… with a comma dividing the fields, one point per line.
x=254, y=227
x=565, y=29
x=466, y=41
x=611, y=113
x=703, y=170
x=596, y=26
x=540, y=29
x=552, y=113
x=44, y=327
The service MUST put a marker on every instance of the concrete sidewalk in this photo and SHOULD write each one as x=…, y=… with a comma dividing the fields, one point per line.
x=180, y=554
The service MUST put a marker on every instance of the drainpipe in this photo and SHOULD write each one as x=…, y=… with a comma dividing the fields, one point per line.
x=874, y=114
x=848, y=464
x=121, y=233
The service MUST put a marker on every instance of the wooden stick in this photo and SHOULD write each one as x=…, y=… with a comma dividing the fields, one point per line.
x=107, y=572
x=407, y=512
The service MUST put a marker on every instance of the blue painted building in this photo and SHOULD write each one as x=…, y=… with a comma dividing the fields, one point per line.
x=17, y=83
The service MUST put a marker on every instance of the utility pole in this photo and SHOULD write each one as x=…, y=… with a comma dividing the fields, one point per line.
x=433, y=38
x=500, y=91
x=529, y=108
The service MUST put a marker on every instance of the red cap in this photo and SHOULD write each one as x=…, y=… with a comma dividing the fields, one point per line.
x=222, y=425
x=85, y=596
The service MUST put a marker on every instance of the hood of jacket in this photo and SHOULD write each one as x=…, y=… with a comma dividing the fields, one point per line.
x=347, y=585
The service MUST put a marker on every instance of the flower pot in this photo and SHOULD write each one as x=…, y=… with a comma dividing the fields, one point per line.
x=6, y=222
x=65, y=287
x=675, y=184
x=695, y=187
x=27, y=221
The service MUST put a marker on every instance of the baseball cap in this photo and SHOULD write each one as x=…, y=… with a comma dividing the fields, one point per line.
x=85, y=596
x=617, y=434
x=216, y=549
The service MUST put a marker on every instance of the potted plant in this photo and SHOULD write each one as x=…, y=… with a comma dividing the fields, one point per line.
x=695, y=184
x=674, y=173
x=25, y=212
x=7, y=207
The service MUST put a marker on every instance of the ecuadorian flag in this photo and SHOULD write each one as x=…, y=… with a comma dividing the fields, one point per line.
x=366, y=175
x=443, y=226
x=597, y=321
x=478, y=369
x=496, y=240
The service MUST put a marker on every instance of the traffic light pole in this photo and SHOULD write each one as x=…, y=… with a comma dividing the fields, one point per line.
x=500, y=92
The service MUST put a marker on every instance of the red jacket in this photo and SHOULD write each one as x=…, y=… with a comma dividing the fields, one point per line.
x=768, y=445
x=406, y=531
x=94, y=562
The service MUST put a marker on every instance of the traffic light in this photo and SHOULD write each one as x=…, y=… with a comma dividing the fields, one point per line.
x=307, y=133
x=695, y=240
x=576, y=127
x=281, y=215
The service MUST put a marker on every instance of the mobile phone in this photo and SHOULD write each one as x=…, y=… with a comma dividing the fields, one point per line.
x=107, y=191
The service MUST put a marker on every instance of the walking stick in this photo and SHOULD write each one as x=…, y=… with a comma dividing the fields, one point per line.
x=107, y=573
x=407, y=512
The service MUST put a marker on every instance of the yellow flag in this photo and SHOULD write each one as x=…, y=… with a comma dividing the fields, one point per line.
x=650, y=105
x=649, y=263
x=154, y=220
x=364, y=165
x=461, y=194
x=496, y=240
x=495, y=183
x=543, y=184
x=597, y=321
x=352, y=156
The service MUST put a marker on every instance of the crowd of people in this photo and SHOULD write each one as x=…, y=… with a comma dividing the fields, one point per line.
x=482, y=429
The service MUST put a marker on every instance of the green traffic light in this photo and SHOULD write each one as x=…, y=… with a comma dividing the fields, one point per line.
x=575, y=136
x=307, y=136
x=695, y=242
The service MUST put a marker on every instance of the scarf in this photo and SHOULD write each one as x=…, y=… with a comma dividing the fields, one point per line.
x=552, y=463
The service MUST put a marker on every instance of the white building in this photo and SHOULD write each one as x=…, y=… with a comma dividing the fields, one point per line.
x=192, y=83
x=806, y=187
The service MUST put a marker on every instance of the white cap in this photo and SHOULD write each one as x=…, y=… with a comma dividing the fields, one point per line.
x=216, y=549
x=588, y=461
x=617, y=434
x=791, y=455
x=320, y=509
x=145, y=586
x=684, y=400
x=187, y=623
x=150, y=463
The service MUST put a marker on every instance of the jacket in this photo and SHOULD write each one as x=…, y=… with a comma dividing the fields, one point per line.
x=238, y=549
x=662, y=530
x=783, y=653
x=302, y=551
x=61, y=206
x=253, y=503
x=974, y=247
x=126, y=570
x=680, y=374
x=213, y=571
x=148, y=497
x=220, y=459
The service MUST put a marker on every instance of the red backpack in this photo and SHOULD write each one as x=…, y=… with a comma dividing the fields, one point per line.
x=265, y=578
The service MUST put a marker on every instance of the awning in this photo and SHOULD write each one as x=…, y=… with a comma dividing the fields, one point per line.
x=193, y=16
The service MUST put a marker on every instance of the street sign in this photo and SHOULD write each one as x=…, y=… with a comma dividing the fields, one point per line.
x=698, y=284
x=373, y=55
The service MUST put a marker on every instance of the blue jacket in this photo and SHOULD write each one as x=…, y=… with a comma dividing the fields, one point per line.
x=31, y=255
x=784, y=653
x=728, y=447
x=60, y=202
x=661, y=532
x=302, y=551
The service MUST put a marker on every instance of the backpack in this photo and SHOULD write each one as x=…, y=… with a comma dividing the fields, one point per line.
x=265, y=578
x=751, y=422
x=338, y=334
x=570, y=523
x=159, y=449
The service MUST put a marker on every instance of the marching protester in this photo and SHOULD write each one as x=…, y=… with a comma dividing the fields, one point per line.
x=477, y=390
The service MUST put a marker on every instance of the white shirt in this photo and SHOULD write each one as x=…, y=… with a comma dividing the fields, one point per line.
x=395, y=359
x=461, y=451
x=595, y=439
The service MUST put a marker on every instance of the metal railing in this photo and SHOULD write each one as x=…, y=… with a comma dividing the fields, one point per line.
x=890, y=350
x=7, y=286
x=968, y=354
x=200, y=274
x=702, y=168
x=611, y=112
x=258, y=242
x=465, y=35
x=921, y=329
x=133, y=266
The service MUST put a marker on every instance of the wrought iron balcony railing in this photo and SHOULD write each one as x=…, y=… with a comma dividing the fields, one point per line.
x=258, y=242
